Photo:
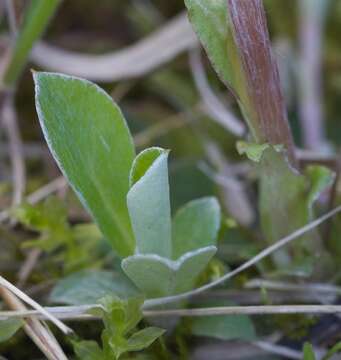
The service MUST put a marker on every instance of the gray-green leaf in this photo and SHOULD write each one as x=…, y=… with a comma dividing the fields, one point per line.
x=88, y=287
x=195, y=225
x=149, y=204
x=157, y=276
x=90, y=140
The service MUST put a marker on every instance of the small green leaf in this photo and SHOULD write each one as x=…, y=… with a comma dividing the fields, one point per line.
x=308, y=352
x=49, y=214
x=149, y=204
x=76, y=247
x=88, y=350
x=122, y=315
x=88, y=287
x=195, y=225
x=9, y=327
x=157, y=276
x=320, y=179
x=50, y=219
x=90, y=140
x=144, y=338
x=252, y=150
x=235, y=327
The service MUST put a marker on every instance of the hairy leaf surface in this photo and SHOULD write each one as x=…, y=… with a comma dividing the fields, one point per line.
x=157, y=276
x=88, y=287
x=196, y=225
x=149, y=204
x=89, y=138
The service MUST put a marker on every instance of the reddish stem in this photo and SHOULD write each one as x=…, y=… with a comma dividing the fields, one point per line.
x=251, y=36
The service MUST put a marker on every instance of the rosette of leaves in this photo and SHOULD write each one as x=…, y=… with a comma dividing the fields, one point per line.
x=169, y=255
x=127, y=196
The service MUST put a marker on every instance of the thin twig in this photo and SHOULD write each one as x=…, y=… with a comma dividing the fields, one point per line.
x=308, y=157
x=11, y=16
x=212, y=105
x=234, y=194
x=34, y=254
x=37, y=331
x=16, y=149
x=81, y=312
x=282, y=286
x=312, y=19
x=264, y=253
x=7, y=285
x=130, y=62
x=46, y=190
x=278, y=349
x=28, y=266
x=275, y=297
x=247, y=310
x=173, y=122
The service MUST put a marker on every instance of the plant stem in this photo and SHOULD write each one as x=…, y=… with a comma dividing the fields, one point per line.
x=36, y=330
x=21, y=295
x=257, y=80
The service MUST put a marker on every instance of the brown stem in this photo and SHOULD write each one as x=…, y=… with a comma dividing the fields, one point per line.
x=265, y=104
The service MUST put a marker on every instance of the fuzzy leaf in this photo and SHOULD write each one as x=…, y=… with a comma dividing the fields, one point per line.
x=89, y=138
x=157, y=276
x=149, y=204
x=143, y=161
x=9, y=327
x=195, y=225
x=87, y=287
